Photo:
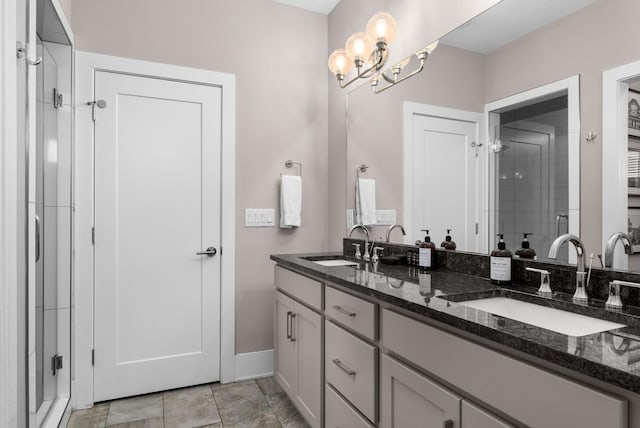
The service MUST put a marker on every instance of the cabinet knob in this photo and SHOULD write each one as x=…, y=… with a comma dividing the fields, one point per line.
x=447, y=424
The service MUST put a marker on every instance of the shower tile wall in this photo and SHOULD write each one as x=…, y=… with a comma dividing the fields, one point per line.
x=533, y=185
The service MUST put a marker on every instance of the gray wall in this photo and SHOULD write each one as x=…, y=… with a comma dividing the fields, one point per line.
x=277, y=55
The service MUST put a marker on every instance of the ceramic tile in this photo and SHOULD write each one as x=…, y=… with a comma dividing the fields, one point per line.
x=157, y=422
x=244, y=405
x=285, y=411
x=268, y=385
x=140, y=408
x=190, y=407
x=90, y=418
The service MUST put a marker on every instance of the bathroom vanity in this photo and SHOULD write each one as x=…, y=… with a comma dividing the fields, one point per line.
x=391, y=346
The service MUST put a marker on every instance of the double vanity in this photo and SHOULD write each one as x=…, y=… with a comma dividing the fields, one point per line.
x=374, y=345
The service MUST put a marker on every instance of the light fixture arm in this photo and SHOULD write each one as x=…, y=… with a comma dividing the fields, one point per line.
x=395, y=70
x=379, y=55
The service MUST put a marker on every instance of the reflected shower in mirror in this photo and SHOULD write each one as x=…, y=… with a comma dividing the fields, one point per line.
x=532, y=181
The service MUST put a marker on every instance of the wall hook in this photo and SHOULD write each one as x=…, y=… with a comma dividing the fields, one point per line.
x=591, y=136
x=22, y=51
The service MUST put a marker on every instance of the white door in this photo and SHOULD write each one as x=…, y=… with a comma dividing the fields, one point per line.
x=157, y=203
x=445, y=184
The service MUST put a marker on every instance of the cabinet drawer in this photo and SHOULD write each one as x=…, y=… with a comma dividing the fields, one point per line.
x=514, y=384
x=350, y=367
x=337, y=413
x=351, y=311
x=475, y=417
x=305, y=289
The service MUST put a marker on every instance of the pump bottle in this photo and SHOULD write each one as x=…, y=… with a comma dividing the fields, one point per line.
x=501, y=263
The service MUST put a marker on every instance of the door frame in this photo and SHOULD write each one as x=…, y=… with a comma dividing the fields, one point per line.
x=572, y=86
x=83, y=195
x=615, y=144
x=411, y=109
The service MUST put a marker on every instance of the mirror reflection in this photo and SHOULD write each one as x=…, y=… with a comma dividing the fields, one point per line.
x=479, y=165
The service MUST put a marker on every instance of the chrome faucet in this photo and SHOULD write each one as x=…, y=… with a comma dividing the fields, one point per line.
x=611, y=247
x=580, y=296
x=393, y=226
x=366, y=256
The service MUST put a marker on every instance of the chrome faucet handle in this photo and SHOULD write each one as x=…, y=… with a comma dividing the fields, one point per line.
x=580, y=296
x=358, y=254
x=376, y=258
x=366, y=257
x=545, y=283
x=614, y=302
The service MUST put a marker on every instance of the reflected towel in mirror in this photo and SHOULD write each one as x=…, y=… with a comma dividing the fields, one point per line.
x=290, y=201
x=367, y=194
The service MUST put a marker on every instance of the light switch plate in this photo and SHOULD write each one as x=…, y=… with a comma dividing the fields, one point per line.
x=259, y=217
x=386, y=217
x=350, y=219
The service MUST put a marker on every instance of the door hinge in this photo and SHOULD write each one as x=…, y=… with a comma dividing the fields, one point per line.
x=93, y=236
x=57, y=98
x=477, y=226
x=56, y=363
x=93, y=357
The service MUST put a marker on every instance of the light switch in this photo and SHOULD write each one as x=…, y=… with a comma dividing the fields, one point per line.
x=386, y=217
x=259, y=217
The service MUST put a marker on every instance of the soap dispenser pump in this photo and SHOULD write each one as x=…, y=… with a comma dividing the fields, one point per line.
x=448, y=244
x=525, y=251
x=501, y=263
x=427, y=252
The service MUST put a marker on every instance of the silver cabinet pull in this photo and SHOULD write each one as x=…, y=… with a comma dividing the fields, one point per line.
x=344, y=368
x=447, y=424
x=37, y=238
x=210, y=252
x=293, y=337
x=344, y=311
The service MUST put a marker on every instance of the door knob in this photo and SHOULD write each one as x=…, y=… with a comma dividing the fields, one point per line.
x=211, y=251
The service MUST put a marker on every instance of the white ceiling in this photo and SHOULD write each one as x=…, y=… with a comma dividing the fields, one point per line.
x=508, y=21
x=319, y=6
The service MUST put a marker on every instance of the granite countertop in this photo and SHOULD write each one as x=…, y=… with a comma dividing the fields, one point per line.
x=612, y=356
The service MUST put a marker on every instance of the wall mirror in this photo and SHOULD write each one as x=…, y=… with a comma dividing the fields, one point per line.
x=512, y=122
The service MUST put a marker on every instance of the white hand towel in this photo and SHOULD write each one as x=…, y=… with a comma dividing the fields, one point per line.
x=290, y=201
x=367, y=190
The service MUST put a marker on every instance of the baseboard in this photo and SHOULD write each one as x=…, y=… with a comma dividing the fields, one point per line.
x=253, y=365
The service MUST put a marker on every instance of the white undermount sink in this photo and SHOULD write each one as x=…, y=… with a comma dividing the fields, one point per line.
x=541, y=316
x=335, y=262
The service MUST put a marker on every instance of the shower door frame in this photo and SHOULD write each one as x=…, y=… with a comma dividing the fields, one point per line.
x=571, y=86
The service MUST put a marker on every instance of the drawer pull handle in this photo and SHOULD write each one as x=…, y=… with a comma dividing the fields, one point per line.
x=344, y=311
x=344, y=368
x=293, y=338
x=447, y=424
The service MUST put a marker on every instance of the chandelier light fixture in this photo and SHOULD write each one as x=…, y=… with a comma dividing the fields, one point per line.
x=368, y=52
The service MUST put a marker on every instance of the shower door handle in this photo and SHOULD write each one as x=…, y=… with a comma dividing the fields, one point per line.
x=37, y=238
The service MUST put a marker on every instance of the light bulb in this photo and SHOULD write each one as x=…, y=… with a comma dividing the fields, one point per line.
x=358, y=47
x=339, y=62
x=382, y=27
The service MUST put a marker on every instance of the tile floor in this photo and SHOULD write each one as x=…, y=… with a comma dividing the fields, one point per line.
x=260, y=404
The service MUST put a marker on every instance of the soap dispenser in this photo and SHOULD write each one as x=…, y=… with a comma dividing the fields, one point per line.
x=448, y=244
x=501, y=263
x=427, y=252
x=525, y=251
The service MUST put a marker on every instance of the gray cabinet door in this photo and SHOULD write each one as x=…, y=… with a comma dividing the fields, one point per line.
x=285, y=361
x=410, y=400
x=307, y=335
x=475, y=417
